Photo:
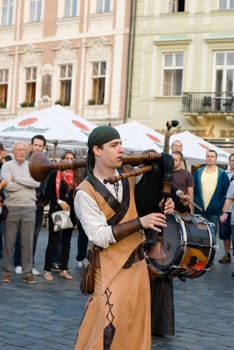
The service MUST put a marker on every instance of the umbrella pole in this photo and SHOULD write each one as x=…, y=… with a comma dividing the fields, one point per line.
x=55, y=150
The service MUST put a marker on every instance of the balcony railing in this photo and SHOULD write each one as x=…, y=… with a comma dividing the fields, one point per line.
x=207, y=102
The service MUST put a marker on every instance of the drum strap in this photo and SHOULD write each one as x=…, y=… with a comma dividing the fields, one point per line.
x=120, y=209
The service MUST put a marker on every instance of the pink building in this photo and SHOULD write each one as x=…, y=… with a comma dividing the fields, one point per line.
x=72, y=52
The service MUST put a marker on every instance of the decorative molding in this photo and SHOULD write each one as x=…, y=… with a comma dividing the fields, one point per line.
x=202, y=120
x=220, y=38
x=197, y=119
x=99, y=49
x=65, y=44
x=66, y=52
x=5, y=60
x=31, y=55
x=47, y=69
x=30, y=48
x=230, y=119
x=101, y=41
x=45, y=100
x=191, y=119
x=172, y=40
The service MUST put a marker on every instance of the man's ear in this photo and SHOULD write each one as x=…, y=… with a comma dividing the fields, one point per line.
x=96, y=151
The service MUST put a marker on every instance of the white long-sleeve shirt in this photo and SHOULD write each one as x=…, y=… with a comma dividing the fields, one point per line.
x=92, y=218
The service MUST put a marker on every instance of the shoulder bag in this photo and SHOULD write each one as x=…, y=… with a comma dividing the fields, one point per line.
x=61, y=220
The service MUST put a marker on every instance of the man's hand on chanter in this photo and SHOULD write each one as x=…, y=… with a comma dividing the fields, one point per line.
x=153, y=221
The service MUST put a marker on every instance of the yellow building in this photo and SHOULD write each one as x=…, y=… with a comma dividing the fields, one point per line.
x=183, y=66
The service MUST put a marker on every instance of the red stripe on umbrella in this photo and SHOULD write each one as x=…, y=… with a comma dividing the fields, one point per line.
x=27, y=121
x=80, y=125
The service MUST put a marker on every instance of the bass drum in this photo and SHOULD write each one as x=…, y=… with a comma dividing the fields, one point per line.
x=188, y=245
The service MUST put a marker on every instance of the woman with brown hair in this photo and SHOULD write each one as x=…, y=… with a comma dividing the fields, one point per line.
x=59, y=190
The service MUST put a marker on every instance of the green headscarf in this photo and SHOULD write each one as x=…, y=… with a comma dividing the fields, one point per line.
x=97, y=137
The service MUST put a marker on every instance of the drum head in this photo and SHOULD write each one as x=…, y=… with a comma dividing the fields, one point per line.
x=187, y=246
x=172, y=237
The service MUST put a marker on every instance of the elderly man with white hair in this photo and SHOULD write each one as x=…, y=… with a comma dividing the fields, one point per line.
x=20, y=201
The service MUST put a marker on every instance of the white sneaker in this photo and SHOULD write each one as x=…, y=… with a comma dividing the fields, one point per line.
x=18, y=270
x=35, y=272
x=79, y=264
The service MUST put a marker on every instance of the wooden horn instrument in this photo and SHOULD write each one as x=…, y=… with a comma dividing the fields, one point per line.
x=40, y=166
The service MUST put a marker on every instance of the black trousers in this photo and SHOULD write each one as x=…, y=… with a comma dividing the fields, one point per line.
x=60, y=239
x=162, y=307
x=82, y=244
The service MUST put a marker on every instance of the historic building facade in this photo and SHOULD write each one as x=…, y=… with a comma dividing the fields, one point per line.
x=183, y=66
x=68, y=52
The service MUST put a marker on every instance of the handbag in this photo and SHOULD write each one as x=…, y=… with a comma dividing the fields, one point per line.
x=61, y=220
x=87, y=273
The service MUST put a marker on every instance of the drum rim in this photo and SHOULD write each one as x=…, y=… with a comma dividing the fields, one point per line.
x=176, y=270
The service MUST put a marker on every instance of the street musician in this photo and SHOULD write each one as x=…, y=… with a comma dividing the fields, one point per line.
x=118, y=313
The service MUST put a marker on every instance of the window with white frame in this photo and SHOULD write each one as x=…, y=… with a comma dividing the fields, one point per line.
x=7, y=12
x=35, y=11
x=176, y=5
x=65, y=84
x=103, y=6
x=31, y=84
x=70, y=8
x=226, y=4
x=172, y=74
x=4, y=73
x=224, y=73
x=99, y=82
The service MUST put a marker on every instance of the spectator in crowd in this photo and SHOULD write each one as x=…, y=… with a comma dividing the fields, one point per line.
x=82, y=244
x=118, y=314
x=7, y=158
x=226, y=214
x=210, y=187
x=59, y=190
x=38, y=143
x=82, y=239
x=2, y=157
x=21, y=203
x=182, y=180
x=3, y=212
x=225, y=233
x=177, y=146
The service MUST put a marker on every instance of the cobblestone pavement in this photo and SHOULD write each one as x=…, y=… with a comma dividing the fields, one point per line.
x=47, y=315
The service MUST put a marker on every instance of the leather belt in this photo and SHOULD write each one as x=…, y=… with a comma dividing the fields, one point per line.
x=97, y=260
x=136, y=255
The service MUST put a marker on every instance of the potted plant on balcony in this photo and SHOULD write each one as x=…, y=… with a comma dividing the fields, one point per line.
x=3, y=105
x=91, y=102
x=100, y=101
x=27, y=104
x=58, y=102
x=24, y=104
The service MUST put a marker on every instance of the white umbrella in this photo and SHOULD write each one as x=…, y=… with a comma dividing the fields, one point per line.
x=194, y=148
x=56, y=123
x=138, y=137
